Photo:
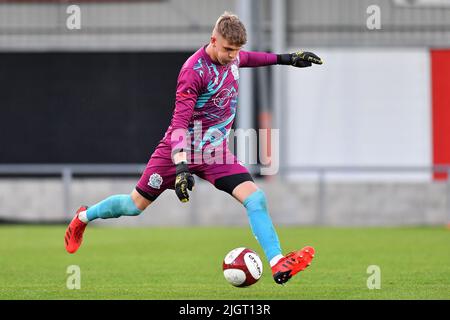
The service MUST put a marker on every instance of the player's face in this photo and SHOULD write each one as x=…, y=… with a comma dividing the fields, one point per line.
x=225, y=51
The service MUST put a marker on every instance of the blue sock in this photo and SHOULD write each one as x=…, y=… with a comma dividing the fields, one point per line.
x=261, y=224
x=113, y=207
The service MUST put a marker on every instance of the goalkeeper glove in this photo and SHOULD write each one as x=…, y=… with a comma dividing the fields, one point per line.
x=299, y=59
x=184, y=180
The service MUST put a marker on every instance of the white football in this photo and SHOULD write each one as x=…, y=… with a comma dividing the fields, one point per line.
x=242, y=267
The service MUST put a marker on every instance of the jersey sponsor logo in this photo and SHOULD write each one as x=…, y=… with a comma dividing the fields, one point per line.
x=155, y=181
x=223, y=97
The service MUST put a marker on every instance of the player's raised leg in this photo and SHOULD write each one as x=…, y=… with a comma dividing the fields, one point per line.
x=283, y=267
x=158, y=175
x=113, y=207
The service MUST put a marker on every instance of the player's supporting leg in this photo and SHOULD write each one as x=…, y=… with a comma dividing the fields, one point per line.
x=112, y=207
x=283, y=267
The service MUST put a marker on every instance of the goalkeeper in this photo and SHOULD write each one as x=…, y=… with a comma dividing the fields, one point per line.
x=206, y=101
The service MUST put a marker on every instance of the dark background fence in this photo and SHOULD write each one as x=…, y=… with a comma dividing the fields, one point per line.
x=72, y=107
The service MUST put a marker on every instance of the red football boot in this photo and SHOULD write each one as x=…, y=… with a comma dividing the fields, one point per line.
x=291, y=264
x=74, y=232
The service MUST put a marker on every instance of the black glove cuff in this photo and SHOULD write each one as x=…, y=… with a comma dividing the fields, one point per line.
x=182, y=167
x=285, y=59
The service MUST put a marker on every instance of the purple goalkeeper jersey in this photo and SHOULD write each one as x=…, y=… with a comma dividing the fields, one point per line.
x=206, y=100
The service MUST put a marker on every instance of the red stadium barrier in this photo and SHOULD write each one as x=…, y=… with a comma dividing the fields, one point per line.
x=440, y=92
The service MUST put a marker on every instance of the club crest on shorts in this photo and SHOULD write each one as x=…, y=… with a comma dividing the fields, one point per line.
x=155, y=181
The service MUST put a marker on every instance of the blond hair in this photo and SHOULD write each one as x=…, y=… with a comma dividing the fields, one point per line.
x=231, y=28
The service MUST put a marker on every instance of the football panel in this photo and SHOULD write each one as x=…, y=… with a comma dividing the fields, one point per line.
x=232, y=255
x=236, y=277
x=254, y=264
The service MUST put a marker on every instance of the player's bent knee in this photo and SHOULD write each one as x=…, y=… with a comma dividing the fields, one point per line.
x=125, y=206
x=131, y=208
x=139, y=201
x=256, y=201
x=117, y=206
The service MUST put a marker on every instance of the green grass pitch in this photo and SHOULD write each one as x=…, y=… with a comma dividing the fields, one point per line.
x=186, y=263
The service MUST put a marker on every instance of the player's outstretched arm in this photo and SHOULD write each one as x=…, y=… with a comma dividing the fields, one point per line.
x=299, y=59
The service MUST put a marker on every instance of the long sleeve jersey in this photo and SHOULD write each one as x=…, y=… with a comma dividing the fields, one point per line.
x=206, y=99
